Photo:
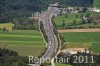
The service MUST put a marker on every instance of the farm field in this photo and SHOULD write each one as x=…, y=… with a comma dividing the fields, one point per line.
x=71, y=18
x=96, y=3
x=30, y=42
x=25, y=42
x=82, y=40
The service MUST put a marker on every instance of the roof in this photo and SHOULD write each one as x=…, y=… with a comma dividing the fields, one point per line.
x=74, y=50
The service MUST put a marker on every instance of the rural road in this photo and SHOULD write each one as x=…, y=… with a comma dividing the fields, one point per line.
x=79, y=30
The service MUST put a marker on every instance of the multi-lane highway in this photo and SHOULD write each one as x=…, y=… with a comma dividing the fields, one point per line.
x=46, y=17
x=52, y=45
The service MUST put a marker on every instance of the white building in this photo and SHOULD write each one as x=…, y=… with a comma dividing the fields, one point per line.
x=54, y=5
x=35, y=16
x=94, y=9
x=75, y=50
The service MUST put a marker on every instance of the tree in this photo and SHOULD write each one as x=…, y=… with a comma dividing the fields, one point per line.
x=66, y=16
x=45, y=64
x=60, y=13
x=84, y=9
x=4, y=29
x=25, y=23
x=88, y=15
x=76, y=15
x=83, y=21
x=74, y=22
x=63, y=23
x=90, y=20
x=79, y=3
x=81, y=16
x=95, y=23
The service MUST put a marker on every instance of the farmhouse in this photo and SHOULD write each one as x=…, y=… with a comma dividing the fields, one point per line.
x=35, y=16
x=94, y=9
x=73, y=10
x=75, y=50
x=96, y=19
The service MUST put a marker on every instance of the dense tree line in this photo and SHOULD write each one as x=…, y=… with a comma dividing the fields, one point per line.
x=11, y=58
x=21, y=8
x=25, y=23
x=17, y=11
x=79, y=3
x=7, y=52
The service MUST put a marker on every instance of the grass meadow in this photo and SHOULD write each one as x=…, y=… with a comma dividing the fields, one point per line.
x=30, y=42
x=71, y=18
x=59, y=19
x=82, y=40
x=96, y=3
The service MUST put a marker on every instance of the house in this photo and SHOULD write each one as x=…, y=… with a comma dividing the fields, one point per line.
x=94, y=9
x=35, y=16
x=72, y=10
x=54, y=5
x=96, y=19
x=74, y=50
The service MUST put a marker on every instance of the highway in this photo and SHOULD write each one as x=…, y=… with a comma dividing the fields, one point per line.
x=52, y=45
x=48, y=27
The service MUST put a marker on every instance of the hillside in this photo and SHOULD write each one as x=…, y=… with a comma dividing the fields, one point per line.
x=24, y=8
x=17, y=11
x=79, y=3
x=20, y=8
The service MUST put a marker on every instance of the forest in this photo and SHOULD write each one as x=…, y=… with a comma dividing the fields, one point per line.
x=79, y=3
x=17, y=11
x=11, y=58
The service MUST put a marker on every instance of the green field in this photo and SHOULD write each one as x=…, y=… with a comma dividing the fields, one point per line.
x=26, y=42
x=83, y=40
x=58, y=20
x=71, y=18
x=97, y=3
x=30, y=42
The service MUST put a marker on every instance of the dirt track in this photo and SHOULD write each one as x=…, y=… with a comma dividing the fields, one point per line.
x=79, y=30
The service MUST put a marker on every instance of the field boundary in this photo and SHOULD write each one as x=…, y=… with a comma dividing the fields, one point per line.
x=79, y=30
